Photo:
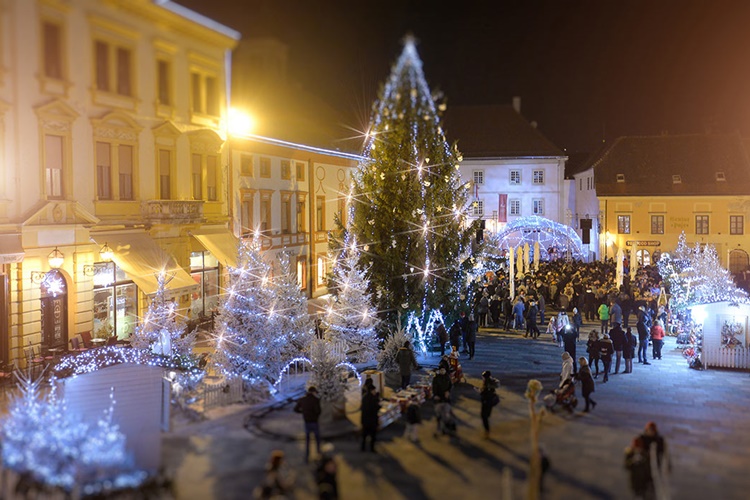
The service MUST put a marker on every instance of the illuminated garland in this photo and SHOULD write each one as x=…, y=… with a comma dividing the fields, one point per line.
x=102, y=357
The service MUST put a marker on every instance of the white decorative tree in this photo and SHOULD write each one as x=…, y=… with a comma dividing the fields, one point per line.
x=290, y=313
x=247, y=341
x=162, y=329
x=328, y=375
x=351, y=317
x=393, y=342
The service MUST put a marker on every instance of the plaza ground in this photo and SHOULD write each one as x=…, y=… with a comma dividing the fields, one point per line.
x=703, y=415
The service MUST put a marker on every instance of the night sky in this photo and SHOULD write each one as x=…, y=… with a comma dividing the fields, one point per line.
x=586, y=70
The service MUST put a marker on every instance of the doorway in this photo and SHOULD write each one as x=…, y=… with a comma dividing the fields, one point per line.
x=54, y=300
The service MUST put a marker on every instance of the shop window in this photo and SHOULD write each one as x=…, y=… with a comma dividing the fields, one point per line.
x=204, y=268
x=322, y=272
x=115, y=302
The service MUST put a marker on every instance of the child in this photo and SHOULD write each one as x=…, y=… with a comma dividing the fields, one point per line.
x=413, y=419
x=447, y=419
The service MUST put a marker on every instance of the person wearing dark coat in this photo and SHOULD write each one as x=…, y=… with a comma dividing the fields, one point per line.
x=370, y=409
x=587, y=383
x=406, y=361
x=643, y=329
x=589, y=304
x=531, y=315
x=463, y=323
x=442, y=337
x=471, y=335
x=592, y=347
x=628, y=350
x=455, y=335
x=618, y=342
x=482, y=309
x=442, y=385
x=569, y=338
x=507, y=313
x=309, y=407
x=606, y=350
x=495, y=306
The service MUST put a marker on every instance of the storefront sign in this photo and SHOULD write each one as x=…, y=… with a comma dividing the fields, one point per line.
x=643, y=243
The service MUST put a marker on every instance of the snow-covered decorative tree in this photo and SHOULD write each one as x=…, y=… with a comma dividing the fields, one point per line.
x=247, y=342
x=409, y=205
x=712, y=281
x=43, y=439
x=162, y=329
x=351, y=317
x=328, y=375
x=290, y=312
x=393, y=342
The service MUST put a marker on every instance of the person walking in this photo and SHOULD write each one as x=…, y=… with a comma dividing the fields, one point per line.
x=567, y=368
x=326, y=474
x=455, y=336
x=406, y=361
x=561, y=324
x=518, y=313
x=442, y=337
x=592, y=347
x=471, y=335
x=577, y=320
x=642, y=328
x=606, y=349
x=370, y=409
x=495, y=306
x=657, y=338
x=488, y=398
x=569, y=339
x=531, y=326
x=615, y=312
x=628, y=350
x=278, y=481
x=618, y=342
x=604, y=316
x=507, y=313
x=309, y=407
x=413, y=419
x=639, y=469
x=482, y=309
x=587, y=383
x=463, y=323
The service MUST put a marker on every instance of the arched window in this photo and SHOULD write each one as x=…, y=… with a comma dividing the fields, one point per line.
x=738, y=261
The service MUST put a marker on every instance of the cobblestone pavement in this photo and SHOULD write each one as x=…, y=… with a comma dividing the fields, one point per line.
x=703, y=414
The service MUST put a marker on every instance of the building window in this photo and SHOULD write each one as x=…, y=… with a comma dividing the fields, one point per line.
x=165, y=174
x=204, y=93
x=53, y=50
x=657, y=224
x=623, y=224
x=196, y=174
x=125, y=170
x=736, y=224
x=514, y=207
x=538, y=208
x=478, y=176
x=265, y=167
x=286, y=213
x=320, y=202
x=103, y=171
x=620, y=178
x=300, y=170
x=164, y=82
x=265, y=211
x=538, y=177
x=322, y=272
x=302, y=272
x=341, y=210
x=286, y=170
x=246, y=165
x=212, y=178
x=515, y=177
x=301, y=213
x=478, y=208
x=204, y=269
x=114, y=68
x=246, y=212
x=115, y=302
x=54, y=160
x=701, y=224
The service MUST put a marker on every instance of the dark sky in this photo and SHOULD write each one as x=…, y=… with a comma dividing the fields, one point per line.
x=586, y=70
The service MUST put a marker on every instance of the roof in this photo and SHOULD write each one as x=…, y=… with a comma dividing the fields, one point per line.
x=647, y=166
x=496, y=131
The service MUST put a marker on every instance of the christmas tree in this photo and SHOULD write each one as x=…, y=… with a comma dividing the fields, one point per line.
x=351, y=317
x=329, y=374
x=409, y=205
x=290, y=310
x=162, y=330
x=393, y=342
x=247, y=341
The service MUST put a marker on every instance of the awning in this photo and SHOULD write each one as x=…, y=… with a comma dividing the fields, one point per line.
x=143, y=259
x=10, y=248
x=221, y=243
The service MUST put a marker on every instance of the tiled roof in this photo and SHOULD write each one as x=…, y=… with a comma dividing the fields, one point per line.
x=495, y=131
x=648, y=166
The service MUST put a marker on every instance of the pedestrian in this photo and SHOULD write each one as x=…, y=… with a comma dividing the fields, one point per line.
x=406, y=361
x=455, y=335
x=442, y=337
x=577, y=321
x=370, y=408
x=552, y=327
x=463, y=323
x=628, y=351
x=562, y=323
x=618, y=342
x=507, y=313
x=657, y=338
x=567, y=368
x=615, y=312
x=471, y=335
x=482, y=309
x=592, y=347
x=569, y=338
x=519, y=310
x=606, y=349
x=278, y=482
x=541, y=303
x=643, y=335
x=587, y=384
x=309, y=407
x=531, y=317
x=604, y=316
x=639, y=468
x=496, y=305
x=413, y=419
x=488, y=398
x=326, y=474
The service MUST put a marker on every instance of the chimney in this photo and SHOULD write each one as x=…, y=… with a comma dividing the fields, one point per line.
x=517, y=104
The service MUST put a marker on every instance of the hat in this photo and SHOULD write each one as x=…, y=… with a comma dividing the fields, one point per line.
x=565, y=355
x=312, y=389
x=486, y=374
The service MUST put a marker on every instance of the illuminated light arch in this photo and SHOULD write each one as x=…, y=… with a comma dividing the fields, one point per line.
x=547, y=232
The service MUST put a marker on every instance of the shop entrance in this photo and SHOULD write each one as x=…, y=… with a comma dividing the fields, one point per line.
x=54, y=310
x=738, y=261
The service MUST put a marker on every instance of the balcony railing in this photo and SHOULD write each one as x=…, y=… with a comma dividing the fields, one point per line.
x=173, y=210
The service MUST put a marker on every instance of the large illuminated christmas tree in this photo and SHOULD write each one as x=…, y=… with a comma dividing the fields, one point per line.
x=290, y=310
x=351, y=317
x=247, y=341
x=409, y=205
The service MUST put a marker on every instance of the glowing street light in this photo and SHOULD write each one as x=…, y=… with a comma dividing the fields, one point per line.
x=239, y=122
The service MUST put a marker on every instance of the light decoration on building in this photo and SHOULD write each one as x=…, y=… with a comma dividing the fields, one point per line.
x=102, y=357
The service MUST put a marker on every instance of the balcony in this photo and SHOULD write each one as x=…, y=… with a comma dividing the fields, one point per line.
x=184, y=211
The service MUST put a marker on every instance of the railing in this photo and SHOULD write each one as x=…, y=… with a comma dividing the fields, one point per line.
x=726, y=357
x=222, y=393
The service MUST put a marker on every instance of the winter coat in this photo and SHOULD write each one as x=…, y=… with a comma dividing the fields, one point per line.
x=519, y=309
x=587, y=381
x=618, y=337
x=603, y=312
x=642, y=331
x=657, y=332
x=615, y=312
x=471, y=331
x=442, y=334
x=567, y=369
x=532, y=313
x=606, y=349
x=628, y=351
x=484, y=305
x=413, y=413
x=455, y=334
x=370, y=409
x=562, y=322
x=440, y=385
x=406, y=361
x=577, y=320
x=488, y=390
x=309, y=406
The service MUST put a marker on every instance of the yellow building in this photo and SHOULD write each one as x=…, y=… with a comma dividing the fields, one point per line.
x=113, y=165
x=651, y=189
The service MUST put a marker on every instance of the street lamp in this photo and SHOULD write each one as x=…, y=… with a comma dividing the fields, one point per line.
x=239, y=123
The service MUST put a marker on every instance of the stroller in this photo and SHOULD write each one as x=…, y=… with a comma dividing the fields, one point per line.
x=565, y=396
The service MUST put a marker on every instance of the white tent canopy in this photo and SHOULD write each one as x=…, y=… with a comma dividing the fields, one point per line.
x=549, y=234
